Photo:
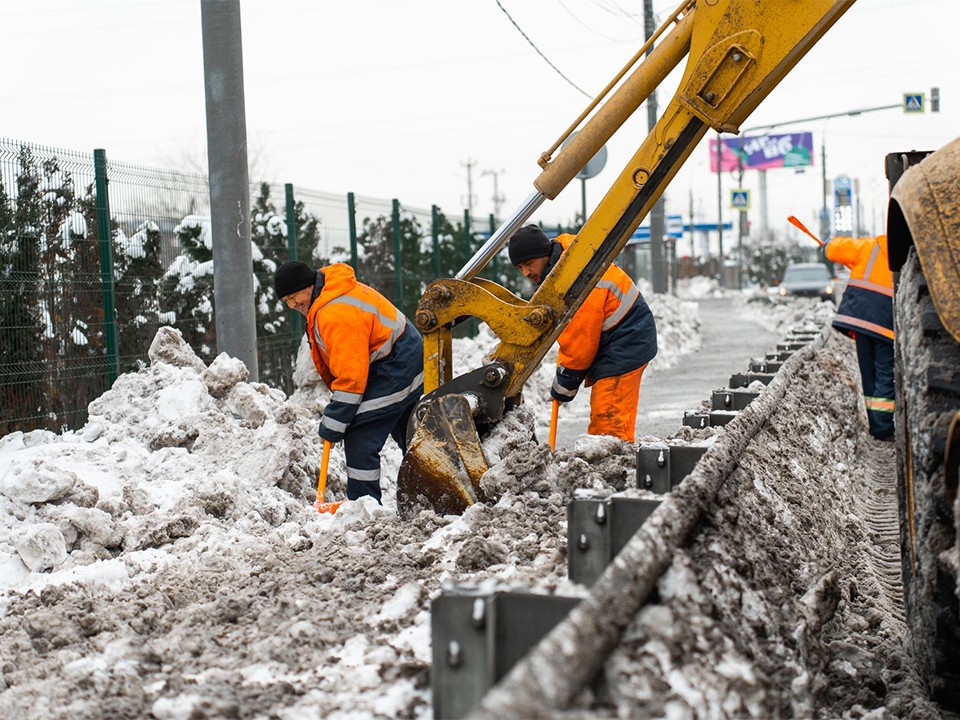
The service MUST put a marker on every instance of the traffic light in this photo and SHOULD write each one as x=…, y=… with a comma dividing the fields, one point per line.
x=935, y=99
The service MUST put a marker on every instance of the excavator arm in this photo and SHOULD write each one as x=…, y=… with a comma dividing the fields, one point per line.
x=737, y=52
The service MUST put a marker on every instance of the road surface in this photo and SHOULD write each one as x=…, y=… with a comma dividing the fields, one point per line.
x=729, y=342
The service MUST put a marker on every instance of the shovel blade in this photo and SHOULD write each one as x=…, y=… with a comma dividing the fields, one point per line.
x=444, y=463
x=327, y=507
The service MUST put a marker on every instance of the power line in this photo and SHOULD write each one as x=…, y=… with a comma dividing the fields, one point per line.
x=556, y=69
x=612, y=8
x=592, y=30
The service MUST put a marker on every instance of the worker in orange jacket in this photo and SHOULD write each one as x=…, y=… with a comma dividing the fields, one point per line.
x=866, y=314
x=368, y=355
x=608, y=342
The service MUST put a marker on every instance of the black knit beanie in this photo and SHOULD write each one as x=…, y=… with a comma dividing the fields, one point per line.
x=527, y=243
x=293, y=276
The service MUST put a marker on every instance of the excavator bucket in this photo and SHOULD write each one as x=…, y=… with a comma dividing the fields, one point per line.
x=444, y=461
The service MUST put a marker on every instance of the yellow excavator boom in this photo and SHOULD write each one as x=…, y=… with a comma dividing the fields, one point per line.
x=737, y=52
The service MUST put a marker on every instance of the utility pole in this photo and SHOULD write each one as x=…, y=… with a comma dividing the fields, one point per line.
x=857, y=207
x=469, y=166
x=235, y=315
x=497, y=198
x=824, y=215
x=657, y=220
x=723, y=282
x=764, y=214
x=742, y=228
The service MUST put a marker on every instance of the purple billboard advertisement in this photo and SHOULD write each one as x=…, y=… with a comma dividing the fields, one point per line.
x=762, y=152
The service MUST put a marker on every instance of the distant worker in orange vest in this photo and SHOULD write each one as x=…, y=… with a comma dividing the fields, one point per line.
x=866, y=314
x=608, y=342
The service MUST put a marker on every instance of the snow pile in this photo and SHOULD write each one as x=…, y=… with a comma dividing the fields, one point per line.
x=784, y=314
x=164, y=450
x=700, y=286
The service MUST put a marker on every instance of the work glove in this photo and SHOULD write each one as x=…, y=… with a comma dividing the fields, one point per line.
x=566, y=384
x=329, y=434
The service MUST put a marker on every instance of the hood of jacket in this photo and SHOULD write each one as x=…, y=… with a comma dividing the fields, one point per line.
x=332, y=282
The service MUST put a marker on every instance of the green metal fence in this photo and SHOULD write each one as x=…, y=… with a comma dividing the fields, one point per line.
x=96, y=255
x=52, y=354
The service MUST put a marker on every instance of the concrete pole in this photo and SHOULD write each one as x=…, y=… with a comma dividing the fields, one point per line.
x=229, y=182
x=723, y=282
x=742, y=227
x=825, y=224
x=764, y=212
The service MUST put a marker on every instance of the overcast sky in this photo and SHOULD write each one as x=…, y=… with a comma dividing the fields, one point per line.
x=394, y=98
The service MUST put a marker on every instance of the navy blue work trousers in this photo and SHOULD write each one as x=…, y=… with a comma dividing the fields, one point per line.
x=875, y=357
x=362, y=445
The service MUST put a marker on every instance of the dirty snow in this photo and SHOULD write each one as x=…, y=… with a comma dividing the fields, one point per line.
x=164, y=560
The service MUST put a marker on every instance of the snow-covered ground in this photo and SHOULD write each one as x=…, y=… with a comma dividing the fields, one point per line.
x=165, y=561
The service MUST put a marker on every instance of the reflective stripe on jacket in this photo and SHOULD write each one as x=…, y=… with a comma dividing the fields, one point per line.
x=612, y=333
x=364, y=349
x=867, y=304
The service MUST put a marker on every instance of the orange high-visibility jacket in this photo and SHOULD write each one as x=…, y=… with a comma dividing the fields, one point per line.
x=612, y=333
x=364, y=350
x=867, y=304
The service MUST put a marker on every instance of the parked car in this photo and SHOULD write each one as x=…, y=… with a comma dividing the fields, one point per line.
x=807, y=280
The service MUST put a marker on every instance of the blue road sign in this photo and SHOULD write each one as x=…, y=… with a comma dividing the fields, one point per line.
x=676, y=228
x=740, y=199
x=913, y=102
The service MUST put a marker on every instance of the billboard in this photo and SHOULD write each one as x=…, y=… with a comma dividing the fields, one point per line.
x=763, y=152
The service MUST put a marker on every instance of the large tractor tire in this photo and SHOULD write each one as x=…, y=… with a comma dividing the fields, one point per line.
x=927, y=407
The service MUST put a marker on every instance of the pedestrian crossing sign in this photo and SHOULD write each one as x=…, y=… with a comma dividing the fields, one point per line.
x=740, y=199
x=913, y=102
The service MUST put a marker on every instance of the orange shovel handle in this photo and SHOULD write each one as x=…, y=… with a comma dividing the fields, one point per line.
x=319, y=504
x=555, y=412
x=322, y=477
x=797, y=224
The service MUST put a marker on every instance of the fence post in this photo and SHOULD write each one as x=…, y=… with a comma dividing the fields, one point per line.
x=298, y=319
x=352, y=221
x=435, y=236
x=291, y=223
x=106, y=259
x=397, y=260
